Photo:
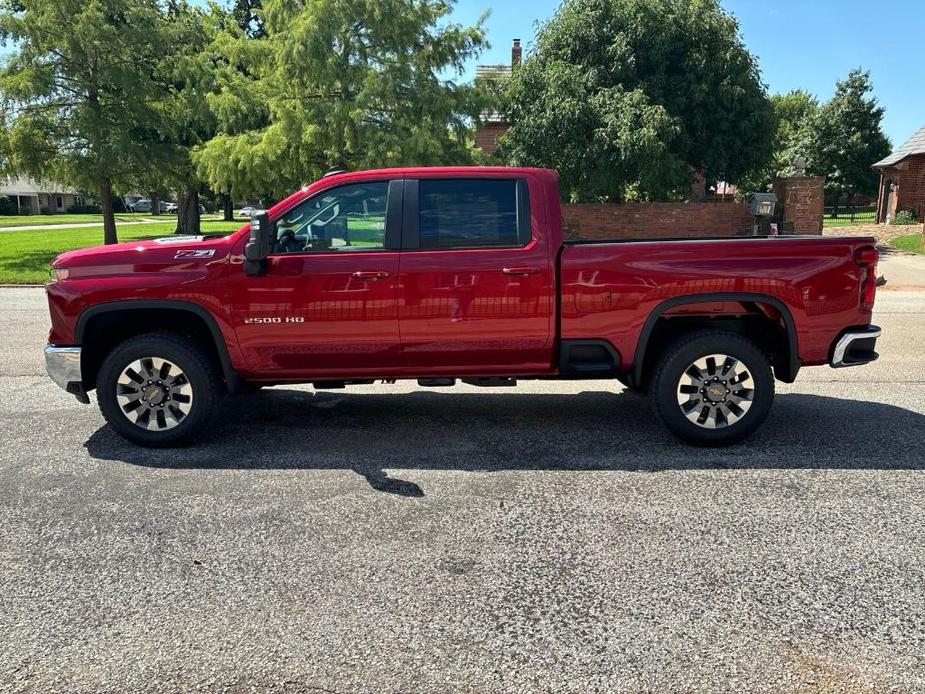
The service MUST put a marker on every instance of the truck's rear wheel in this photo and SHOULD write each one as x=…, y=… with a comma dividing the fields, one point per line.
x=158, y=389
x=713, y=388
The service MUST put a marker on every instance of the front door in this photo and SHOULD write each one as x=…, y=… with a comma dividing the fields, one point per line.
x=327, y=304
x=476, y=284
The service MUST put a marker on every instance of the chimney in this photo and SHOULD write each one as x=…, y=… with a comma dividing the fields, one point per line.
x=516, y=53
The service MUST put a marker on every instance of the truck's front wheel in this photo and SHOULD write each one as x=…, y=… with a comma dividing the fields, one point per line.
x=158, y=389
x=713, y=388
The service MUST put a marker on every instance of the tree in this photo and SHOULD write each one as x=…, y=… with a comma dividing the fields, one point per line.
x=640, y=99
x=356, y=82
x=845, y=138
x=191, y=77
x=248, y=14
x=83, y=87
x=792, y=114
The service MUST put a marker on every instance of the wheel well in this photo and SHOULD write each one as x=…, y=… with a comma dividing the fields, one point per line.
x=769, y=333
x=103, y=331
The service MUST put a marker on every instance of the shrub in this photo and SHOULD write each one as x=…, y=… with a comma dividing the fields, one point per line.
x=84, y=209
x=7, y=206
x=904, y=217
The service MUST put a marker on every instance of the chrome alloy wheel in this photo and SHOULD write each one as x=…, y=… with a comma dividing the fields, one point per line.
x=154, y=394
x=714, y=392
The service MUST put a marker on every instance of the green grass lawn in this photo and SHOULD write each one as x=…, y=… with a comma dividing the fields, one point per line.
x=25, y=255
x=909, y=244
x=829, y=222
x=34, y=220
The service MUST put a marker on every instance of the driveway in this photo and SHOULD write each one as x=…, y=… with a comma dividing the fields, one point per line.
x=394, y=539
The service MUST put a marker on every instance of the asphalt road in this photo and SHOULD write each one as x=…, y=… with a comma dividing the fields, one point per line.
x=390, y=539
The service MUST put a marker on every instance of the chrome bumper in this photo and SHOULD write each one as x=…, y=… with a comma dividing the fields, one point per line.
x=63, y=367
x=856, y=347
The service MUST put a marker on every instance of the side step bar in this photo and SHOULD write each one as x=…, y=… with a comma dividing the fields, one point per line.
x=486, y=382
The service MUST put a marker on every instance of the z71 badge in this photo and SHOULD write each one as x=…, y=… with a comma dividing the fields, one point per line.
x=194, y=253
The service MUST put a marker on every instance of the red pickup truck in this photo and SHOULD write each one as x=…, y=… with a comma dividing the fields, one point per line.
x=439, y=274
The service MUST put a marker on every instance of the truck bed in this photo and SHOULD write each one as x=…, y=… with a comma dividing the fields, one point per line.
x=611, y=289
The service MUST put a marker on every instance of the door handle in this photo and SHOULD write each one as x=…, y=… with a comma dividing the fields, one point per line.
x=369, y=275
x=521, y=271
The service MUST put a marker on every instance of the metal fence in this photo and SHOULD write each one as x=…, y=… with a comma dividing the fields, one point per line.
x=850, y=215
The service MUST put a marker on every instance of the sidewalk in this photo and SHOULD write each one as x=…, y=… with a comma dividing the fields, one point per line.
x=77, y=225
x=902, y=270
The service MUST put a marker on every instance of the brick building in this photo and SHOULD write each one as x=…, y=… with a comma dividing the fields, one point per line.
x=902, y=180
x=492, y=125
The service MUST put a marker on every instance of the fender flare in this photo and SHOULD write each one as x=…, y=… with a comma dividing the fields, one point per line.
x=787, y=374
x=232, y=379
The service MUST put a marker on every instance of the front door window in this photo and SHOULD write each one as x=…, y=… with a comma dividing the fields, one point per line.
x=344, y=219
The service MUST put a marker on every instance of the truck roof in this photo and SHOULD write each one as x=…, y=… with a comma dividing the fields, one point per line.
x=429, y=171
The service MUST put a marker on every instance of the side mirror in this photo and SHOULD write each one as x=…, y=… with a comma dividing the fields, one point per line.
x=258, y=246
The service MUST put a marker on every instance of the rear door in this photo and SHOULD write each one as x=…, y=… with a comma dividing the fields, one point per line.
x=476, y=283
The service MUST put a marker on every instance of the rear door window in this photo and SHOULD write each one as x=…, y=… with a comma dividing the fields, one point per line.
x=472, y=213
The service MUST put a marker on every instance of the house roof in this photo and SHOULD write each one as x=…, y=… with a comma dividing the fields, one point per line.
x=492, y=71
x=914, y=145
x=29, y=187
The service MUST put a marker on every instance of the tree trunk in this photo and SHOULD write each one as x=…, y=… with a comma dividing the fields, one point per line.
x=109, y=217
x=188, y=212
x=698, y=186
x=155, y=203
x=228, y=205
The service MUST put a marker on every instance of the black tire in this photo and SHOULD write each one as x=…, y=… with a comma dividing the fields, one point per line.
x=673, y=369
x=201, y=376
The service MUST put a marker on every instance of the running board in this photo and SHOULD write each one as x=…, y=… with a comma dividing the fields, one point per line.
x=491, y=382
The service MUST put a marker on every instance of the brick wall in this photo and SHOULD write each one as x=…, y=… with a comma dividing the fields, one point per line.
x=800, y=202
x=911, y=194
x=656, y=219
x=487, y=134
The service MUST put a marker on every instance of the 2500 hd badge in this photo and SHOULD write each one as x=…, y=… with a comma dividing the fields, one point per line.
x=273, y=319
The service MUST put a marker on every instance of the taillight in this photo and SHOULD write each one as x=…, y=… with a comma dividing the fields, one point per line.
x=867, y=258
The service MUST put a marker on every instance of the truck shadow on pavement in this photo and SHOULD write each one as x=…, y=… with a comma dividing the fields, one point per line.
x=369, y=433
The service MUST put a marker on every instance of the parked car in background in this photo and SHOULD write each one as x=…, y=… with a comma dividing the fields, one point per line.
x=446, y=274
x=248, y=211
x=146, y=206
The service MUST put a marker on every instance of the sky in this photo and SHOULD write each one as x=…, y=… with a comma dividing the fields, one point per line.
x=800, y=44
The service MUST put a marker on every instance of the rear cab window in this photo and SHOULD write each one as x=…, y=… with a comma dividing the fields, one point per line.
x=461, y=213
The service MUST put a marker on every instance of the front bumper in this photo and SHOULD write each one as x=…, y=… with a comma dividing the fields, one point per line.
x=855, y=347
x=63, y=367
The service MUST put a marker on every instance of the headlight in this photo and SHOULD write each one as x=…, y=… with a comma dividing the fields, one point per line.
x=57, y=273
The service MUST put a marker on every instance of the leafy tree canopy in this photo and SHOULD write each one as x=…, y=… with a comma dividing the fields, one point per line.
x=793, y=113
x=634, y=99
x=347, y=82
x=248, y=15
x=845, y=138
x=87, y=95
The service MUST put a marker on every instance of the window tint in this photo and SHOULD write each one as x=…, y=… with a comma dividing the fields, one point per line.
x=348, y=218
x=468, y=213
